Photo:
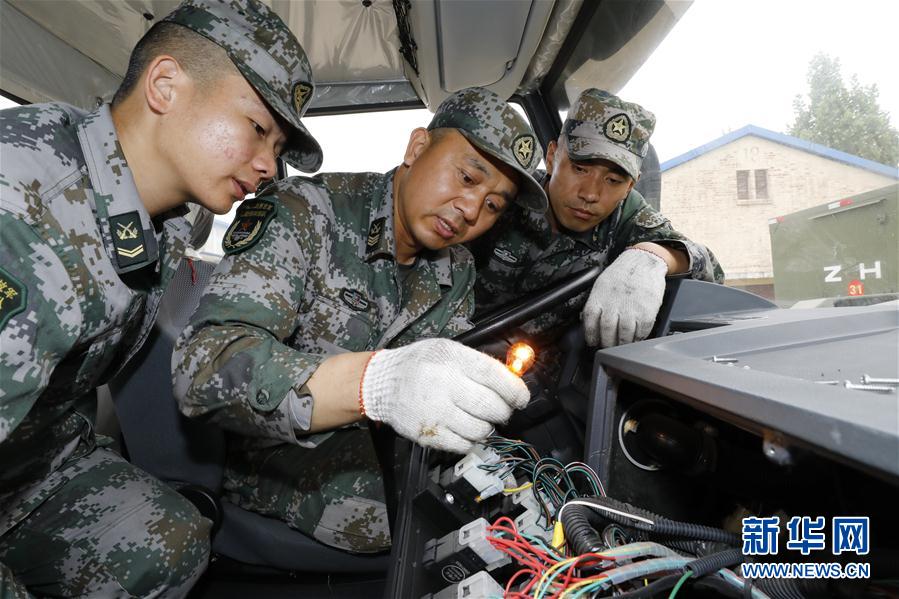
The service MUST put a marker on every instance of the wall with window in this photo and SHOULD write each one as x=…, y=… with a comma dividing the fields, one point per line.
x=725, y=197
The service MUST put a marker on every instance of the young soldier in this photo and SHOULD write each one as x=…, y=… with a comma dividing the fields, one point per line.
x=595, y=218
x=317, y=274
x=92, y=219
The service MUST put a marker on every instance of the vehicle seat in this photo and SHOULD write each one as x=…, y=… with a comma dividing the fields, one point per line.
x=187, y=453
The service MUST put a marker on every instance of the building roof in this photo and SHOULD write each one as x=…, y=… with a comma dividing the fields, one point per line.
x=787, y=140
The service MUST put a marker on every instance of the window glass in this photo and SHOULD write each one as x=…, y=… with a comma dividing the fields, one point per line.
x=792, y=182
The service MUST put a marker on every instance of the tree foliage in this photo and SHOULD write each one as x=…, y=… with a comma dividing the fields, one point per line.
x=847, y=118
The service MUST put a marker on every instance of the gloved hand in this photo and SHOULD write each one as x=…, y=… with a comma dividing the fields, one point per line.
x=625, y=299
x=440, y=393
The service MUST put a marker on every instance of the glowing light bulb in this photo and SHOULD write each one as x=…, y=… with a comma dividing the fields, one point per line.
x=520, y=357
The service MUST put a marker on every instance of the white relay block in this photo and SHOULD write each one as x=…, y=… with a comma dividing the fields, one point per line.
x=479, y=585
x=487, y=484
x=474, y=536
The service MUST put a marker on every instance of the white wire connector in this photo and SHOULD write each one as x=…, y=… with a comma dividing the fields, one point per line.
x=485, y=483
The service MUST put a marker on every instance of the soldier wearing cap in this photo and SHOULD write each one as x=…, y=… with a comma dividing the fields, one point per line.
x=326, y=310
x=596, y=217
x=92, y=215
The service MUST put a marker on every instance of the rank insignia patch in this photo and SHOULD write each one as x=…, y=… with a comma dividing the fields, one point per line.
x=13, y=296
x=128, y=239
x=355, y=299
x=374, y=234
x=523, y=149
x=618, y=128
x=302, y=93
x=252, y=218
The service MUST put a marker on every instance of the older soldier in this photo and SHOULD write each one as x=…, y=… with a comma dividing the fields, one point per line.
x=595, y=218
x=319, y=272
x=93, y=229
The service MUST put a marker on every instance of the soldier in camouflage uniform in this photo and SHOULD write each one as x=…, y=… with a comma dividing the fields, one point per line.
x=317, y=273
x=595, y=218
x=89, y=242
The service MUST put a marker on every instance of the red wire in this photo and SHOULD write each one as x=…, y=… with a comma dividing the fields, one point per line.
x=509, y=584
x=535, y=560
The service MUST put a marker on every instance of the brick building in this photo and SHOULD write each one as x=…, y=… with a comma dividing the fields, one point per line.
x=724, y=192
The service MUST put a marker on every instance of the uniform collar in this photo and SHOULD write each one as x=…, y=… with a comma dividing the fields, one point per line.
x=126, y=226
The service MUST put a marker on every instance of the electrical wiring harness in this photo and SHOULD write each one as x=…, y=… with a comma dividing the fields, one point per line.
x=600, y=547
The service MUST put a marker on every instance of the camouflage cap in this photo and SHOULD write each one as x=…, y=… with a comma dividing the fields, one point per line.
x=268, y=55
x=492, y=125
x=601, y=125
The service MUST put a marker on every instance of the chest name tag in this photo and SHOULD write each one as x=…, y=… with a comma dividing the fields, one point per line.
x=354, y=299
x=252, y=218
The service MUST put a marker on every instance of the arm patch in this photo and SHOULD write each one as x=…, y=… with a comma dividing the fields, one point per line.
x=13, y=296
x=252, y=218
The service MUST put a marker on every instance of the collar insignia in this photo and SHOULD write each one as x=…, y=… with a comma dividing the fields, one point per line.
x=128, y=239
x=374, y=234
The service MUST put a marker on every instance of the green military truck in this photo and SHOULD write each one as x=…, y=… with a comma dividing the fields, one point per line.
x=846, y=248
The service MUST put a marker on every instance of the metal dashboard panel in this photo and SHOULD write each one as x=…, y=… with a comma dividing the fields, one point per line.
x=768, y=382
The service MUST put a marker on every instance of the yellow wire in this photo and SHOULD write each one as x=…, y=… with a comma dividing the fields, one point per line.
x=578, y=585
x=556, y=566
x=517, y=489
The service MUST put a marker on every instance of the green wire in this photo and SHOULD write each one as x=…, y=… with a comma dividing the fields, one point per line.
x=680, y=583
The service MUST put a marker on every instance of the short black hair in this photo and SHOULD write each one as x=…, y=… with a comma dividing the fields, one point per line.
x=204, y=60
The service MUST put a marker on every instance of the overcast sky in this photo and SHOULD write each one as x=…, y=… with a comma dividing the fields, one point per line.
x=731, y=63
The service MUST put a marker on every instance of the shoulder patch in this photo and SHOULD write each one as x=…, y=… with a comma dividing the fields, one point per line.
x=13, y=296
x=252, y=218
x=354, y=298
x=650, y=219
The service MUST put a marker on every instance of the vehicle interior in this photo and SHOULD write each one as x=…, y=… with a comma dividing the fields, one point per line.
x=734, y=406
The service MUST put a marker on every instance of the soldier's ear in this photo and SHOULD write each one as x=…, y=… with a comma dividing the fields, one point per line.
x=418, y=142
x=162, y=82
x=550, y=157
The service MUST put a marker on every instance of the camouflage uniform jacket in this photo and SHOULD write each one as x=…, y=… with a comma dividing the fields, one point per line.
x=522, y=254
x=321, y=279
x=82, y=270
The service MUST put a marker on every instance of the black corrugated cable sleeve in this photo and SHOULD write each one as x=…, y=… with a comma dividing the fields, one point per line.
x=653, y=589
x=579, y=533
x=793, y=588
x=700, y=567
x=713, y=563
x=661, y=525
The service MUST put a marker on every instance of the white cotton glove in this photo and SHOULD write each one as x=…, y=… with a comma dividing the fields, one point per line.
x=440, y=393
x=625, y=299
